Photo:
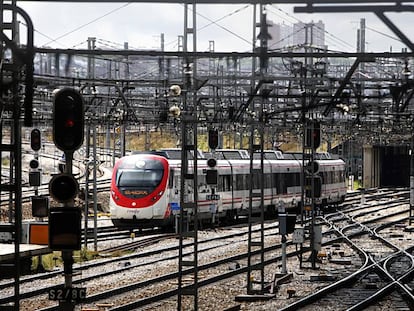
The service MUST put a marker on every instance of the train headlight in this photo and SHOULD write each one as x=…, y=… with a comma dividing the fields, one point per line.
x=134, y=204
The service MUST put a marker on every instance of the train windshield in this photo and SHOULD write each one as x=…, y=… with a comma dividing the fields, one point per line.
x=140, y=180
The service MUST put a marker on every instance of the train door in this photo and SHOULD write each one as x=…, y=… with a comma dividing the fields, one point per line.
x=175, y=187
x=243, y=186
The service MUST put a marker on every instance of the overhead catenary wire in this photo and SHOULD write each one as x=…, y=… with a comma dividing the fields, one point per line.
x=88, y=23
x=384, y=34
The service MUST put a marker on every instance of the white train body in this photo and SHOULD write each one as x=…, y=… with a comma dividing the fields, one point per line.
x=152, y=197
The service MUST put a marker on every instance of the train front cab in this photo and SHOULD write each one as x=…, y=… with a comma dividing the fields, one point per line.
x=139, y=196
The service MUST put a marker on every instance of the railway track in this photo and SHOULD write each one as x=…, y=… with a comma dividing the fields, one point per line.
x=150, y=273
x=384, y=275
x=49, y=160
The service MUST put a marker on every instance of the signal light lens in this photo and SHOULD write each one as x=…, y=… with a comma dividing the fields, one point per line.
x=211, y=162
x=316, y=182
x=34, y=164
x=35, y=139
x=312, y=167
x=313, y=135
x=68, y=120
x=63, y=187
x=70, y=123
x=213, y=138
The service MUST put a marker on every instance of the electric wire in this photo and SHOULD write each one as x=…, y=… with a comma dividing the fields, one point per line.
x=384, y=34
x=88, y=23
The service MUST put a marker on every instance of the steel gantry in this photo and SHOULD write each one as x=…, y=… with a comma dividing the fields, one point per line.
x=188, y=239
x=251, y=105
x=16, y=70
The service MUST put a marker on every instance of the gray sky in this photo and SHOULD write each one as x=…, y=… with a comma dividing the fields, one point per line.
x=68, y=25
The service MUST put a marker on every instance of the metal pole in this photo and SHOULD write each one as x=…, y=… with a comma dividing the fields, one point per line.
x=67, y=255
x=411, y=180
x=284, y=240
x=86, y=209
x=95, y=195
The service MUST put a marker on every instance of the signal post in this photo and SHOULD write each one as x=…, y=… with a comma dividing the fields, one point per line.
x=313, y=182
x=65, y=220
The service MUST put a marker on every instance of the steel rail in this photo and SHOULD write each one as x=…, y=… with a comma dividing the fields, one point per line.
x=309, y=3
x=370, y=265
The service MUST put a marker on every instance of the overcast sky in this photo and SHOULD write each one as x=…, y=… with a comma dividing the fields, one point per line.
x=68, y=25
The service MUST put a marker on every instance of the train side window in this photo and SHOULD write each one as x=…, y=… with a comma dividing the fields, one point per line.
x=268, y=180
x=290, y=180
x=296, y=179
x=226, y=179
x=287, y=181
x=337, y=177
x=246, y=181
x=239, y=182
x=324, y=177
x=276, y=182
x=171, y=179
x=177, y=181
x=242, y=184
x=284, y=181
x=220, y=183
x=256, y=180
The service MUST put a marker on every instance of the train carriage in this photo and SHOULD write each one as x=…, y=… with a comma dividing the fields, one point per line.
x=146, y=187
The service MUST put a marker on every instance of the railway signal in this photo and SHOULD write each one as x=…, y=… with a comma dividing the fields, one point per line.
x=313, y=182
x=213, y=139
x=65, y=228
x=211, y=173
x=35, y=178
x=68, y=120
x=211, y=177
x=34, y=173
x=312, y=167
x=211, y=163
x=40, y=206
x=287, y=223
x=313, y=135
x=35, y=140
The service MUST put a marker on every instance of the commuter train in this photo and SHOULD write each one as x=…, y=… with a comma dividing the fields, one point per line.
x=145, y=187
